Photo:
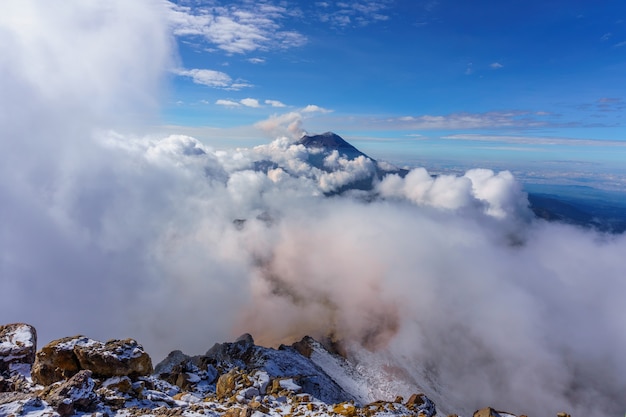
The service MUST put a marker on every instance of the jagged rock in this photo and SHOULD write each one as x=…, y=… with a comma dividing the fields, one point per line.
x=345, y=409
x=415, y=400
x=122, y=384
x=238, y=412
x=114, y=358
x=174, y=358
x=227, y=383
x=77, y=393
x=8, y=397
x=304, y=346
x=63, y=358
x=57, y=361
x=18, y=344
x=486, y=412
x=283, y=363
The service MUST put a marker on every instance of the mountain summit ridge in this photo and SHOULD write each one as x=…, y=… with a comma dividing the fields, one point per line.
x=332, y=141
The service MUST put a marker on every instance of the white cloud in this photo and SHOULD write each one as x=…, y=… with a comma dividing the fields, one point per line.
x=207, y=77
x=239, y=29
x=250, y=102
x=534, y=140
x=289, y=124
x=496, y=65
x=227, y=103
x=312, y=108
x=361, y=13
x=275, y=103
x=115, y=235
x=211, y=78
x=256, y=60
x=467, y=120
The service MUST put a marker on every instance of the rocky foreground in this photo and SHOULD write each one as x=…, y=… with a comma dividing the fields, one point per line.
x=80, y=376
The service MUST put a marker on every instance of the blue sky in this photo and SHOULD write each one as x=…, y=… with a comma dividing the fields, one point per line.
x=408, y=76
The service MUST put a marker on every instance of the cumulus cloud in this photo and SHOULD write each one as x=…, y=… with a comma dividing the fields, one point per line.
x=289, y=124
x=113, y=235
x=250, y=102
x=312, y=108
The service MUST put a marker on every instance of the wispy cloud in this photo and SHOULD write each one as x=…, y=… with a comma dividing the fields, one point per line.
x=235, y=29
x=533, y=140
x=256, y=60
x=275, y=103
x=249, y=102
x=496, y=65
x=468, y=120
x=356, y=13
x=227, y=103
x=212, y=78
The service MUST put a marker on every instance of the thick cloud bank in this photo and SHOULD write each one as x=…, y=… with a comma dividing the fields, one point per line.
x=447, y=280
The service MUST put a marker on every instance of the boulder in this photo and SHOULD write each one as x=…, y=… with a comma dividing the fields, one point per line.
x=486, y=412
x=18, y=344
x=345, y=409
x=75, y=394
x=415, y=400
x=226, y=384
x=114, y=358
x=63, y=358
x=57, y=361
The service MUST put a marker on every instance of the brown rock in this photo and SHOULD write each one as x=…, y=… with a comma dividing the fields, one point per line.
x=114, y=358
x=121, y=384
x=226, y=384
x=77, y=393
x=18, y=344
x=486, y=412
x=415, y=400
x=57, y=361
x=304, y=346
x=345, y=409
x=238, y=412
